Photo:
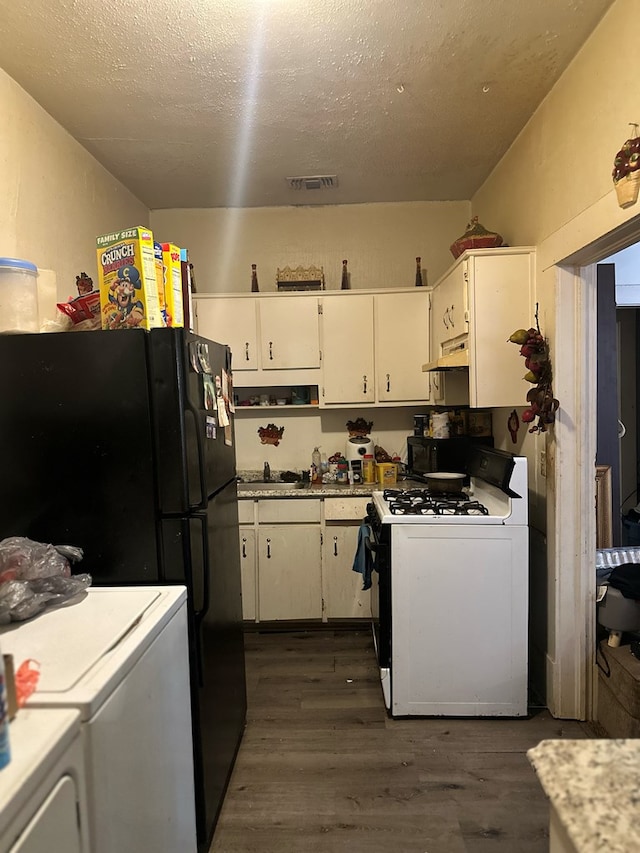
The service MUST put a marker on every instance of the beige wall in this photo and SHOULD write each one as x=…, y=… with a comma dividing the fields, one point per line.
x=553, y=189
x=380, y=242
x=55, y=197
x=308, y=428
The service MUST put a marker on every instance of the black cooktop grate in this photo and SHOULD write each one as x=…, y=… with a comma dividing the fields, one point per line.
x=423, y=502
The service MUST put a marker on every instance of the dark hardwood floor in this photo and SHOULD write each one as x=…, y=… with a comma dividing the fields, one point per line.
x=322, y=769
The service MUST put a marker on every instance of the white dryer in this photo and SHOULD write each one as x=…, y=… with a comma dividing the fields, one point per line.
x=42, y=790
x=119, y=657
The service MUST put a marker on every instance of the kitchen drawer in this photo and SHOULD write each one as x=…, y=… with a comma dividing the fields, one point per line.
x=288, y=510
x=345, y=509
x=245, y=511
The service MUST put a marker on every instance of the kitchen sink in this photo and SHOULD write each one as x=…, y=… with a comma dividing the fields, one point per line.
x=261, y=486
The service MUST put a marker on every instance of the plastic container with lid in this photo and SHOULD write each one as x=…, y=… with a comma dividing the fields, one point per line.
x=18, y=296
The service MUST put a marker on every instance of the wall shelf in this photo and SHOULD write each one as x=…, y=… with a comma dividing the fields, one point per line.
x=287, y=407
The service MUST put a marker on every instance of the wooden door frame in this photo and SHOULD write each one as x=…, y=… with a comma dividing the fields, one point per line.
x=571, y=518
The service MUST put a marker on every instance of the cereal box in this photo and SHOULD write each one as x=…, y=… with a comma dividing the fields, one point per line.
x=127, y=276
x=157, y=254
x=173, y=284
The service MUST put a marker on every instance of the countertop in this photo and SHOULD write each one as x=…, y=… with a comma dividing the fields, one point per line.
x=593, y=785
x=323, y=490
x=316, y=490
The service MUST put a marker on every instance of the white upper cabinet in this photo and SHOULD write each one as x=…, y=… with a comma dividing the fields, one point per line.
x=401, y=346
x=485, y=296
x=373, y=348
x=230, y=320
x=289, y=332
x=265, y=333
x=449, y=309
x=347, y=350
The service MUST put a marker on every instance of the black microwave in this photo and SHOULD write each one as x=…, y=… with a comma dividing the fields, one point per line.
x=428, y=455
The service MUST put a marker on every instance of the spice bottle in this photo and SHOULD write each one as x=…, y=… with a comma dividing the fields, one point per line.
x=368, y=469
x=316, y=460
x=254, y=279
x=419, y=281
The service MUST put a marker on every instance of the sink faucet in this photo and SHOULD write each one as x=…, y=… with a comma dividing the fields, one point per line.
x=266, y=473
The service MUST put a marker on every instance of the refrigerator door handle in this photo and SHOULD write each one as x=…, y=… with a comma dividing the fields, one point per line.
x=200, y=585
x=201, y=610
x=202, y=503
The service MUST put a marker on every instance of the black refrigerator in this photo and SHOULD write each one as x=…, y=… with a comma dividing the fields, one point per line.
x=122, y=443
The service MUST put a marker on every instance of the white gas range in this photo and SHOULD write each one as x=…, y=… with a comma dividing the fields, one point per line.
x=450, y=594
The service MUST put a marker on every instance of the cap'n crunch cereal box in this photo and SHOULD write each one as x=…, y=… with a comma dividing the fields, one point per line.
x=127, y=276
x=173, y=284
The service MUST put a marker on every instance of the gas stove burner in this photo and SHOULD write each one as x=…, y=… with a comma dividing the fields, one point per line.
x=462, y=508
x=423, y=502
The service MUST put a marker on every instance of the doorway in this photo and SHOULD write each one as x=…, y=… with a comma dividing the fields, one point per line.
x=618, y=282
x=571, y=671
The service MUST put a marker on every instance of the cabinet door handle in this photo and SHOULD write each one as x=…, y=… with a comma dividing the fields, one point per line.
x=388, y=383
x=244, y=547
x=364, y=384
x=246, y=350
x=444, y=319
x=271, y=350
x=268, y=549
x=335, y=546
x=451, y=317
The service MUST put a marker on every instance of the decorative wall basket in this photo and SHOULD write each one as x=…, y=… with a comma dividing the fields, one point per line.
x=300, y=278
x=626, y=170
x=627, y=189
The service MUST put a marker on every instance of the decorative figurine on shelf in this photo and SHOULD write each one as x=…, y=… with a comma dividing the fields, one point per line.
x=626, y=170
x=254, y=279
x=419, y=281
x=345, y=277
x=475, y=237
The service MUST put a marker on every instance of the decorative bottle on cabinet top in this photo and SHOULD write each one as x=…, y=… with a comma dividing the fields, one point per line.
x=419, y=281
x=254, y=279
x=345, y=277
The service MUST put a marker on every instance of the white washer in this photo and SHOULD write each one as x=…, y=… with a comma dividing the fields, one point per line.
x=43, y=790
x=119, y=657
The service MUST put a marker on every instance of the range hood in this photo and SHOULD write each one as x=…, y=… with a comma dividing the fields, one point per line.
x=454, y=356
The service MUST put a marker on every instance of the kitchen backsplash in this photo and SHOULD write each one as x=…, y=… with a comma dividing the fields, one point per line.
x=309, y=428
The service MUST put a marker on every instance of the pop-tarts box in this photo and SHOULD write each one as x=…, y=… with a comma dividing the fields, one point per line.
x=157, y=254
x=127, y=277
x=173, y=284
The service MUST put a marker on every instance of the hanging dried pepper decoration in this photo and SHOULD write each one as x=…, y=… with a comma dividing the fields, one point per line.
x=535, y=350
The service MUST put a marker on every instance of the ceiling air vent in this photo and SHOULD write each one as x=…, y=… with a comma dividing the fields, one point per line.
x=313, y=182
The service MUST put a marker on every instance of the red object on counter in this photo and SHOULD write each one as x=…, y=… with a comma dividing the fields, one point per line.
x=27, y=677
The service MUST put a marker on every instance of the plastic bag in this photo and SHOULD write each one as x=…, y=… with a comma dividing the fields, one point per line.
x=35, y=576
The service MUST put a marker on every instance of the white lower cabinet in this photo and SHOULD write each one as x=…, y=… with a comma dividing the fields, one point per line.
x=344, y=597
x=289, y=572
x=342, y=590
x=295, y=567
x=248, y=565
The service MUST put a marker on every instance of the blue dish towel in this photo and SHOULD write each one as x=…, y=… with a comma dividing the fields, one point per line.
x=363, y=560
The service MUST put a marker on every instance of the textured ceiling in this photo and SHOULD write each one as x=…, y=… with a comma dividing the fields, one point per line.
x=208, y=103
